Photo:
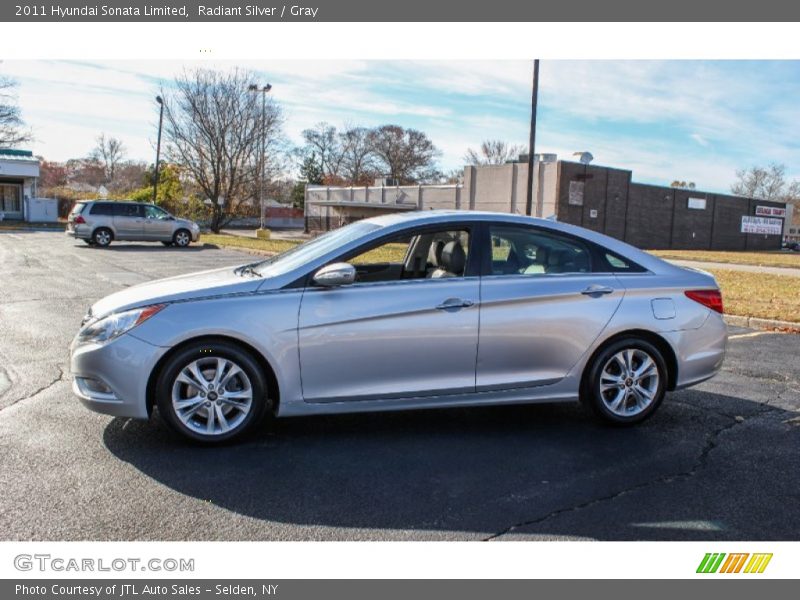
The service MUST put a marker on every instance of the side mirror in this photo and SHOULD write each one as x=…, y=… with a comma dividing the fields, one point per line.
x=335, y=275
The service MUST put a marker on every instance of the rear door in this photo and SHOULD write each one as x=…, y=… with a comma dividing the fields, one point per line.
x=542, y=306
x=128, y=221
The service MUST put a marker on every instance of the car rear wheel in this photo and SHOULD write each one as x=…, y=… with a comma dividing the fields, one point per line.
x=102, y=237
x=626, y=382
x=212, y=392
x=182, y=238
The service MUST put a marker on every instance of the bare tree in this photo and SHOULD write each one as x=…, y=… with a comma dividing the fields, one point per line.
x=214, y=128
x=405, y=155
x=324, y=143
x=766, y=183
x=12, y=130
x=109, y=152
x=358, y=158
x=493, y=152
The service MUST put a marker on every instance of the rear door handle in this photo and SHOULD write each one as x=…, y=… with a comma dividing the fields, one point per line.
x=454, y=303
x=597, y=290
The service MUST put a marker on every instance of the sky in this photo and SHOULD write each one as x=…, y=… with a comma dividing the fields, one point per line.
x=695, y=121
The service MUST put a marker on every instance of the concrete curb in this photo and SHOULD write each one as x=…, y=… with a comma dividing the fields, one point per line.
x=758, y=323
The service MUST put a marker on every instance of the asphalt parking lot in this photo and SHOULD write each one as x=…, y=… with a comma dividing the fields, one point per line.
x=718, y=462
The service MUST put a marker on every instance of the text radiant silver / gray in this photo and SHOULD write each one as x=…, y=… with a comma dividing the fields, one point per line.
x=417, y=310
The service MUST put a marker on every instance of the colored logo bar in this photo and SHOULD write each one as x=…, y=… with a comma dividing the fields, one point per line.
x=736, y=562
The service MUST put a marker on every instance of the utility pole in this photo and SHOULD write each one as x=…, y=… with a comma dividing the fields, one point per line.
x=263, y=91
x=532, y=141
x=160, y=101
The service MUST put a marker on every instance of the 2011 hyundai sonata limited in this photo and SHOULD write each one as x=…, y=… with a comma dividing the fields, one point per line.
x=407, y=311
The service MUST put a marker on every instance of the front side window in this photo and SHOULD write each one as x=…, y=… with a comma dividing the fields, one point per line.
x=416, y=255
x=154, y=212
x=528, y=251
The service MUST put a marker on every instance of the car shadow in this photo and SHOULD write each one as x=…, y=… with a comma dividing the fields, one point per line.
x=537, y=470
x=150, y=247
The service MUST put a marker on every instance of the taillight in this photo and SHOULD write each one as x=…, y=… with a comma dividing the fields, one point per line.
x=709, y=298
x=80, y=219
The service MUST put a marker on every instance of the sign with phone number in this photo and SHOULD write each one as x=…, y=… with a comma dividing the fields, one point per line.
x=762, y=225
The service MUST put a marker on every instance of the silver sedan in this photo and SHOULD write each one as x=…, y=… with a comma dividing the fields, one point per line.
x=406, y=311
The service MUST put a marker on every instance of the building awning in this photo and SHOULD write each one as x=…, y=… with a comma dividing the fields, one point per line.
x=376, y=206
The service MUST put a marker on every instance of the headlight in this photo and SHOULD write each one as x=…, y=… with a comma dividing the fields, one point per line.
x=114, y=325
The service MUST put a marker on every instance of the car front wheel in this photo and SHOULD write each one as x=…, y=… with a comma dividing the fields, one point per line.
x=182, y=238
x=626, y=382
x=211, y=392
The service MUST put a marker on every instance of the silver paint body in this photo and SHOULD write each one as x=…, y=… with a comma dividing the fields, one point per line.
x=386, y=346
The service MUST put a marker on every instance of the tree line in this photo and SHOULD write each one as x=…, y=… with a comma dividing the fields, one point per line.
x=219, y=138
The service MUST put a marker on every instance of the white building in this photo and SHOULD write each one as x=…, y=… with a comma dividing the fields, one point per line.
x=19, y=173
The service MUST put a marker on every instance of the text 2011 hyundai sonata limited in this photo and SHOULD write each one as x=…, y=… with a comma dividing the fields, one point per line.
x=407, y=311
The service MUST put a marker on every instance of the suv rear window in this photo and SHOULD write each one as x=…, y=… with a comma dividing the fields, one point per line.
x=78, y=208
x=102, y=208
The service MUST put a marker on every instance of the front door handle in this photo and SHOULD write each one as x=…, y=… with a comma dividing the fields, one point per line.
x=597, y=290
x=454, y=303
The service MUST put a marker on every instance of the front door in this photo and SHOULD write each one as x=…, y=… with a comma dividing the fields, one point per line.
x=157, y=224
x=408, y=326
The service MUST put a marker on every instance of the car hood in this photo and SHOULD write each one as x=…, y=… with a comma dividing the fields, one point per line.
x=204, y=284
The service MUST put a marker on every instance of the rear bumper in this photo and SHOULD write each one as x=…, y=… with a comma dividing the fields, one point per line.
x=699, y=352
x=79, y=232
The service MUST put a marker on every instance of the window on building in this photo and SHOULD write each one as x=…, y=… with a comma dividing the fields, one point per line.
x=10, y=198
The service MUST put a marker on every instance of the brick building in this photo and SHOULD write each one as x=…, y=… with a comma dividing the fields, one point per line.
x=600, y=198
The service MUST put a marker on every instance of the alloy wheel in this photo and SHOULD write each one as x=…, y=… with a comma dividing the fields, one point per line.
x=629, y=382
x=212, y=396
x=182, y=239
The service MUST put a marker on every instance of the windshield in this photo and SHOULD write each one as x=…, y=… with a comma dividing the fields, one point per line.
x=313, y=249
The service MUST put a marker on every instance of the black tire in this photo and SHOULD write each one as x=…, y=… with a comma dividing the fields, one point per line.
x=182, y=238
x=208, y=351
x=604, y=364
x=167, y=244
x=102, y=237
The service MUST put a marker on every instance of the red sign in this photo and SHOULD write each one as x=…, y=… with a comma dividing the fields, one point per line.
x=770, y=211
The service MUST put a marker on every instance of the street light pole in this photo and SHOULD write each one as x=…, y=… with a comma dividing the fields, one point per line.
x=160, y=101
x=263, y=91
x=532, y=141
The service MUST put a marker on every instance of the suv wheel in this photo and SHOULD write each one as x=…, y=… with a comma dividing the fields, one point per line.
x=211, y=392
x=102, y=237
x=626, y=382
x=182, y=238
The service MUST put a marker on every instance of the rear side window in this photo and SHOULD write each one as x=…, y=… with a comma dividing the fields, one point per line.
x=102, y=208
x=614, y=263
x=528, y=251
x=127, y=210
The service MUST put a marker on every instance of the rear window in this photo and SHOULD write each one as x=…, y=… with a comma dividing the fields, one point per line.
x=78, y=208
x=102, y=208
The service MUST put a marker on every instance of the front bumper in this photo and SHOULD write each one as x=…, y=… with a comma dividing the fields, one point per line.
x=196, y=236
x=123, y=367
